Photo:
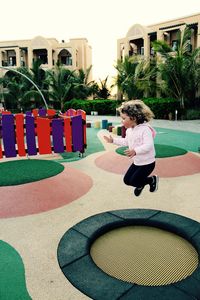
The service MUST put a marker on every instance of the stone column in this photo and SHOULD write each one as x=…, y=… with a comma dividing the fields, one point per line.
x=147, y=46
x=74, y=59
x=18, y=60
x=30, y=57
x=198, y=35
x=126, y=48
x=0, y=58
x=50, y=58
x=160, y=35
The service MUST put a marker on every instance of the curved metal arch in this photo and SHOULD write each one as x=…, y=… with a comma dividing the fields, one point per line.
x=15, y=71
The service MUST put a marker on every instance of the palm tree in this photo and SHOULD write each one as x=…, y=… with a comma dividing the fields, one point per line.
x=179, y=69
x=12, y=92
x=136, y=76
x=20, y=92
x=60, y=82
x=145, y=76
x=82, y=87
x=125, y=78
x=102, y=89
x=38, y=76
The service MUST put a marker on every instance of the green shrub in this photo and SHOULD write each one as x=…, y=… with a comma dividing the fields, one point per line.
x=160, y=106
x=102, y=106
x=192, y=114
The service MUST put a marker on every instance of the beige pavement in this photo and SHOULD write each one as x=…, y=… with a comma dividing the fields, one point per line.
x=36, y=237
x=185, y=125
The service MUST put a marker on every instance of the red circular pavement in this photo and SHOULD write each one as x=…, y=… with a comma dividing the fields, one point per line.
x=182, y=165
x=43, y=195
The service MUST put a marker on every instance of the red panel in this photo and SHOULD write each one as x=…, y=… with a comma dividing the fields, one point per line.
x=19, y=121
x=71, y=112
x=6, y=112
x=35, y=112
x=68, y=134
x=82, y=113
x=51, y=112
x=43, y=133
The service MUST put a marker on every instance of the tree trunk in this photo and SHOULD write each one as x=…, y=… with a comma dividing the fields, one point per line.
x=182, y=104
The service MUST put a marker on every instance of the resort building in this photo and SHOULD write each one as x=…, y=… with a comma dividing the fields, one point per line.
x=139, y=38
x=75, y=54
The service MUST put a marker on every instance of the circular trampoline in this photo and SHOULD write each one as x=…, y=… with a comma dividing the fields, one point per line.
x=136, y=254
x=133, y=254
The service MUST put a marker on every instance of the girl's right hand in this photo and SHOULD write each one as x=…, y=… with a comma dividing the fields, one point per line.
x=130, y=153
x=108, y=139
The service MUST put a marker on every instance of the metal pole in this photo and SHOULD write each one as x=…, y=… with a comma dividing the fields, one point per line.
x=176, y=115
x=13, y=70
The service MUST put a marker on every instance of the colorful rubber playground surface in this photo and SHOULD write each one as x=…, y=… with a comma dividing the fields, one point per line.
x=47, y=196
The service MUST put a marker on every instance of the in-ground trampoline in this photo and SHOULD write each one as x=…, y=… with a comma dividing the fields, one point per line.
x=133, y=254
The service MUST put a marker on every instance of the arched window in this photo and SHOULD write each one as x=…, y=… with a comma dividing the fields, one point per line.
x=65, y=57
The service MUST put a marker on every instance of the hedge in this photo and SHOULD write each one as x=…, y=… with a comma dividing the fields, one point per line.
x=161, y=107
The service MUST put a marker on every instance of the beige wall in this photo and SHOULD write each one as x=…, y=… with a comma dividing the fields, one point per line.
x=138, y=38
x=75, y=54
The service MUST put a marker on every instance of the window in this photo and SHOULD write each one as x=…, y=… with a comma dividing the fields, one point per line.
x=12, y=61
x=65, y=57
x=69, y=61
x=43, y=58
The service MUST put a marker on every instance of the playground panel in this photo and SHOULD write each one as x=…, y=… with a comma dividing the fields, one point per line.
x=41, y=131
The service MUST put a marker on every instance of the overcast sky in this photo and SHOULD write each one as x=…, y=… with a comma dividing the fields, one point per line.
x=102, y=22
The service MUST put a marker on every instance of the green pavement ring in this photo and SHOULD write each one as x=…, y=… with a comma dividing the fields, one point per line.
x=162, y=151
x=17, y=172
x=76, y=263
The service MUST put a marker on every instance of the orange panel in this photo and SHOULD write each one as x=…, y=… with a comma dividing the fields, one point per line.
x=19, y=121
x=68, y=134
x=43, y=133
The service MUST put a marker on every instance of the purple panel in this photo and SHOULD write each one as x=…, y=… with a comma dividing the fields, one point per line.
x=8, y=135
x=42, y=112
x=28, y=113
x=0, y=128
x=30, y=136
x=57, y=134
x=77, y=133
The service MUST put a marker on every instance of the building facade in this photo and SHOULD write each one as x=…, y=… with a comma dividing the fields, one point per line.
x=139, y=38
x=75, y=54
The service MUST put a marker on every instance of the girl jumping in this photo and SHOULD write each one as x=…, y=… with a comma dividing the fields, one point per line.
x=140, y=141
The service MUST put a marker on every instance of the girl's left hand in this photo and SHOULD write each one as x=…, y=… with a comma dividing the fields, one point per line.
x=130, y=153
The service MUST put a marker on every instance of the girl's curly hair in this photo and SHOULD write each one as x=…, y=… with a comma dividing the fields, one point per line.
x=136, y=110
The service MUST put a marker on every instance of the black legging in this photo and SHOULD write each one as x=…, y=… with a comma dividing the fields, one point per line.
x=137, y=176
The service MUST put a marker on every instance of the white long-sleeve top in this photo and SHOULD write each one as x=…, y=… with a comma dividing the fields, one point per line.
x=141, y=139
